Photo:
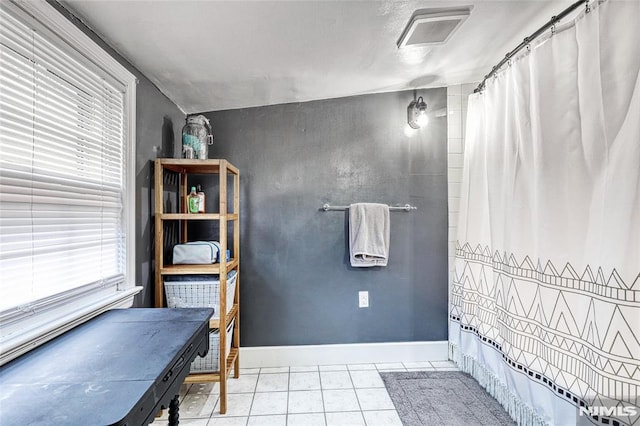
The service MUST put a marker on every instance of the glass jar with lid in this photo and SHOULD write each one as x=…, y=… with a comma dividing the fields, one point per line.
x=196, y=137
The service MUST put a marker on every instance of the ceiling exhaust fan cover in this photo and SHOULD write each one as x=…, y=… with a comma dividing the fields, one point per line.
x=432, y=26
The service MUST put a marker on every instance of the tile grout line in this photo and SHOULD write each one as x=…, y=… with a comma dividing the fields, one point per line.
x=255, y=389
x=286, y=413
x=253, y=396
x=356, y=393
x=324, y=408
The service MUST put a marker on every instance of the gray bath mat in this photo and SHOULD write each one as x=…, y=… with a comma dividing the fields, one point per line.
x=450, y=398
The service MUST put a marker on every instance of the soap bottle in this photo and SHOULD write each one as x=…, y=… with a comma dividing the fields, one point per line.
x=200, y=200
x=193, y=201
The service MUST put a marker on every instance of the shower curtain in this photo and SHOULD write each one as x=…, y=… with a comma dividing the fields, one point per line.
x=545, y=296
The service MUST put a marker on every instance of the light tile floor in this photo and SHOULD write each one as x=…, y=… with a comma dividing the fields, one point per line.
x=325, y=395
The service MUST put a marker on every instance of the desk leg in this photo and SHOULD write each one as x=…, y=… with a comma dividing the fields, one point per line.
x=174, y=414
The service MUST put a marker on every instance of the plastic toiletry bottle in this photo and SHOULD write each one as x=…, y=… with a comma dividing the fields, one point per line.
x=200, y=200
x=193, y=201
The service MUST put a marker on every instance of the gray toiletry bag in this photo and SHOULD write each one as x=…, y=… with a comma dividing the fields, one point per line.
x=196, y=253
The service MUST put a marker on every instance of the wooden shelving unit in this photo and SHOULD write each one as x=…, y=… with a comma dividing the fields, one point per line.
x=223, y=169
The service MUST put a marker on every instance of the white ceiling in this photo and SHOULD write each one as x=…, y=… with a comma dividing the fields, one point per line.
x=215, y=55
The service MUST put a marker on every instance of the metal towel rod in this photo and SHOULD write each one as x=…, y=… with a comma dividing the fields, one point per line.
x=405, y=208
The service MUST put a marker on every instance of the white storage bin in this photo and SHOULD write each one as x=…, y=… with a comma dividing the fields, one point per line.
x=209, y=363
x=198, y=291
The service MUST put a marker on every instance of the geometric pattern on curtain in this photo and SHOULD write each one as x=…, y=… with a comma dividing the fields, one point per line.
x=588, y=356
x=545, y=293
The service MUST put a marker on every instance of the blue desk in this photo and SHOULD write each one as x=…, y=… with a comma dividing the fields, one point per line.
x=119, y=368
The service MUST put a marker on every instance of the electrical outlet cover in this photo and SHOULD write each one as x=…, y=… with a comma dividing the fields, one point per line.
x=363, y=299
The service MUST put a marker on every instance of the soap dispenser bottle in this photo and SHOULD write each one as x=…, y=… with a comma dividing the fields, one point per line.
x=193, y=201
x=200, y=199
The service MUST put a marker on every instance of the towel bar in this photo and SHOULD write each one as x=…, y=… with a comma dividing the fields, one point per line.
x=405, y=208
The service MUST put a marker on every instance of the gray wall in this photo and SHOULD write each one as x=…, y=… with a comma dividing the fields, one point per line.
x=158, y=128
x=297, y=285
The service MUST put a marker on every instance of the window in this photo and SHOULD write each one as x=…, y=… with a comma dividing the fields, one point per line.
x=67, y=137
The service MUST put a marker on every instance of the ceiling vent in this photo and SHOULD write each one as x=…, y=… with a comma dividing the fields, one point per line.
x=432, y=26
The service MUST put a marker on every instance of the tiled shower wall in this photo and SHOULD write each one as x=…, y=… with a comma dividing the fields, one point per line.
x=457, y=114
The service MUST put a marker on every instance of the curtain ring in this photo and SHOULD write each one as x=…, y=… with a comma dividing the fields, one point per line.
x=587, y=7
x=553, y=29
x=509, y=63
x=528, y=46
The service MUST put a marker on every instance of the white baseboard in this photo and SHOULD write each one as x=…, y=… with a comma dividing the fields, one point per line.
x=355, y=353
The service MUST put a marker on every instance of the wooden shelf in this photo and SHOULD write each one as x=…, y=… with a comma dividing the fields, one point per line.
x=197, y=269
x=199, y=216
x=202, y=167
x=215, y=323
x=189, y=216
x=228, y=174
x=214, y=376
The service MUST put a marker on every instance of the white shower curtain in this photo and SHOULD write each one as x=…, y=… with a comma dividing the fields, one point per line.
x=545, y=299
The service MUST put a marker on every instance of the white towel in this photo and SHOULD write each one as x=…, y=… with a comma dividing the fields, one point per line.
x=368, y=234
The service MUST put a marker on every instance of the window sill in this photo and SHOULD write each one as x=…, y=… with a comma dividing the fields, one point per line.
x=38, y=328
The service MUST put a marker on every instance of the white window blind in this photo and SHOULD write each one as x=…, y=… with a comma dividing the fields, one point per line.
x=63, y=169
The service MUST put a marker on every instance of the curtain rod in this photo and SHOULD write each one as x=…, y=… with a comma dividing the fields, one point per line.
x=554, y=20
